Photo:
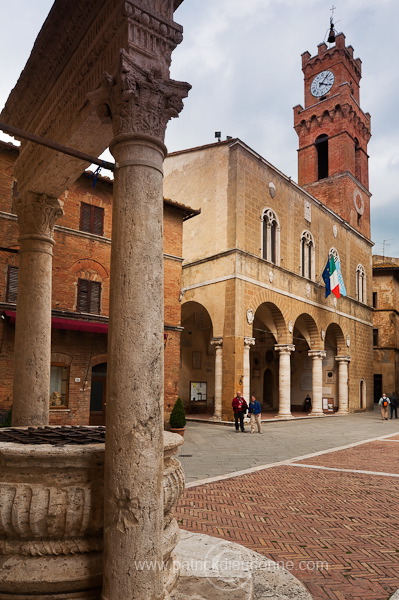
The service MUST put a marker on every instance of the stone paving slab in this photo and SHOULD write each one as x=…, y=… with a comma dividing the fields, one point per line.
x=336, y=531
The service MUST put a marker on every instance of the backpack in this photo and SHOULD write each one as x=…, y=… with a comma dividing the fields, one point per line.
x=385, y=402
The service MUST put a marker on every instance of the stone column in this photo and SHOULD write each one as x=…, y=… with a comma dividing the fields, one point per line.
x=37, y=214
x=139, y=103
x=343, y=392
x=218, y=344
x=284, y=383
x=317, y=381
x=246, y=388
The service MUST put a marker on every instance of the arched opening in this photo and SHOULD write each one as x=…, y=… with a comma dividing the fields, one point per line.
x=197, y=360
x=98, y=394
x=322, y=156
x=268, y=327
x=305, y=338
x=334, y=346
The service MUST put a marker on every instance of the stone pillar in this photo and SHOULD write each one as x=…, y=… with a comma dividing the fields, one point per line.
x=218, y=344
x=284, y=383
x=317, y=381
x=246, y=388
x=343, y=392
x=139, y=103
x=37, y=214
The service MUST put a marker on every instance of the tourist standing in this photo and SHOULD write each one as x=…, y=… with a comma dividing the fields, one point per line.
x=384, y=403
x=254, y=411
x=240, y=408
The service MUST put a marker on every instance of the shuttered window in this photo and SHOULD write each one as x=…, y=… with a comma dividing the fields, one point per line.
x=89, y=296
x=12, y=284
x=91, y=218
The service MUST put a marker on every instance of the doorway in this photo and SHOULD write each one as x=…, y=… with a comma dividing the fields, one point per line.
x=98, y=394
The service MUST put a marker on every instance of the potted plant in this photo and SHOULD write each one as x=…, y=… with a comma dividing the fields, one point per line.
x=177, y=419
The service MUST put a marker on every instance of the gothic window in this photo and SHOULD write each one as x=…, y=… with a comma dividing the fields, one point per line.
x=59, y=386
x=91, y=218
x=360, y=284
x=12, y=284
x=322, y=156
x=270, y=237
x=307, y=255
x=89, y=296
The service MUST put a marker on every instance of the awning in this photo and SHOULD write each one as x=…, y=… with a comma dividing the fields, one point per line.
x=71, y=324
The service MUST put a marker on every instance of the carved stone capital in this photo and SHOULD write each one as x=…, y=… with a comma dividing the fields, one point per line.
x=138, y=101
x=343, y=359
x=249, y=341
x=284, y=348
x=217, y=342
x=317, y=354
x=37, y=214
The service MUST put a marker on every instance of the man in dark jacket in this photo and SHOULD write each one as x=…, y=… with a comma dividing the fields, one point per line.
x=240, y=408
x=254, y=411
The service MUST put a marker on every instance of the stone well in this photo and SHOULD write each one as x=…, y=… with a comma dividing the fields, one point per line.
x=51, y=516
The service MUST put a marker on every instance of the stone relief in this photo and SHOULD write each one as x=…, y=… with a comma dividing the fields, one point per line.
x=271, y=276
x=250, y=316
x=272, y=189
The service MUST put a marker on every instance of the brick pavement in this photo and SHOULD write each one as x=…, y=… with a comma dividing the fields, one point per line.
x=339, y=529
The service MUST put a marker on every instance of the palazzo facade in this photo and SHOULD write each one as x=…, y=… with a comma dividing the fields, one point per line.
x=80, y=297
x=254, y=309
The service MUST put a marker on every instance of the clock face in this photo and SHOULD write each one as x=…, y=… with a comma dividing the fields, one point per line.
x=322, y=84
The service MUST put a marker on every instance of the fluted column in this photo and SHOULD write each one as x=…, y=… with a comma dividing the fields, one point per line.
x=343, y=392
x=248, y=342
x=37, y=214
x=139, y=103
x=317, y=381
x=284, y=383
x=218, y=345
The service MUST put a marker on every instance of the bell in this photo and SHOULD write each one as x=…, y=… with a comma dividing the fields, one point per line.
x=331, y=35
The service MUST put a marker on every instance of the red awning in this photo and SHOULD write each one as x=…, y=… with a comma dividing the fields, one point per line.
x=71, y=324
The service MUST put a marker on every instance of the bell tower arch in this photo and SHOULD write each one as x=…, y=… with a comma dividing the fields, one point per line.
x=333, y=133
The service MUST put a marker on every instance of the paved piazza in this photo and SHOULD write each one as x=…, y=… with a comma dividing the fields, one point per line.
x=327, y=515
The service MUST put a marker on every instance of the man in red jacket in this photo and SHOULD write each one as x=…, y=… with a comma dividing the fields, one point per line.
x=240, y=407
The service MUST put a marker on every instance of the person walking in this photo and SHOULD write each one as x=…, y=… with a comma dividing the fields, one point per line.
x=240, y=407
x=384, y=403
x=254, y=411
x=393, y=405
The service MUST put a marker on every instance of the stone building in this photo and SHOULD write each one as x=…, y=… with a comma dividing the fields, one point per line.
x=385, y=325
x=254, y=310
x=80, y=297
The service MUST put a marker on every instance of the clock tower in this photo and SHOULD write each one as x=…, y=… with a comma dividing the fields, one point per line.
x=333, y=134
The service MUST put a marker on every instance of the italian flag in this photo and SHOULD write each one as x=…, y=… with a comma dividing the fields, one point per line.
x=330, y=276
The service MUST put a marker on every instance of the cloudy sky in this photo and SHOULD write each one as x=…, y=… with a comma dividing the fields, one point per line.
x=243, y=60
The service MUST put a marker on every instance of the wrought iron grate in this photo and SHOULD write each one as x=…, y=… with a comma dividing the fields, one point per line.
x=57, y=436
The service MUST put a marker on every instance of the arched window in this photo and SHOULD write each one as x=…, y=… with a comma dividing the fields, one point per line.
x=322, y=156
x=270, y=237
x=360, y=284
x=307, y=255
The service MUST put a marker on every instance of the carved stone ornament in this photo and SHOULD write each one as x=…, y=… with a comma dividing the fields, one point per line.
x=37, y=214
x=335, y=302
x=137, y=101
x=348, y=340
x=250, y=316
x=249, y=341
x=335, y=231
x=290, y=326
x=358, y=202
x=307, y=290
x=271, y=276
x=272, y=189
x=323, y=334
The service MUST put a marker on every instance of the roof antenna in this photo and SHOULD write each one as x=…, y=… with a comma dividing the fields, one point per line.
x=331, y=35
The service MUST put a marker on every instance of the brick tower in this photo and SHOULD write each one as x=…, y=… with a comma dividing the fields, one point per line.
x=333, y=133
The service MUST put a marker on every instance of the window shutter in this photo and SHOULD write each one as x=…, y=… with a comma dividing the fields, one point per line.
x=95, y=296
x=85, y=217
x=83, y=295
x=12, y=284
x=98, y=220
